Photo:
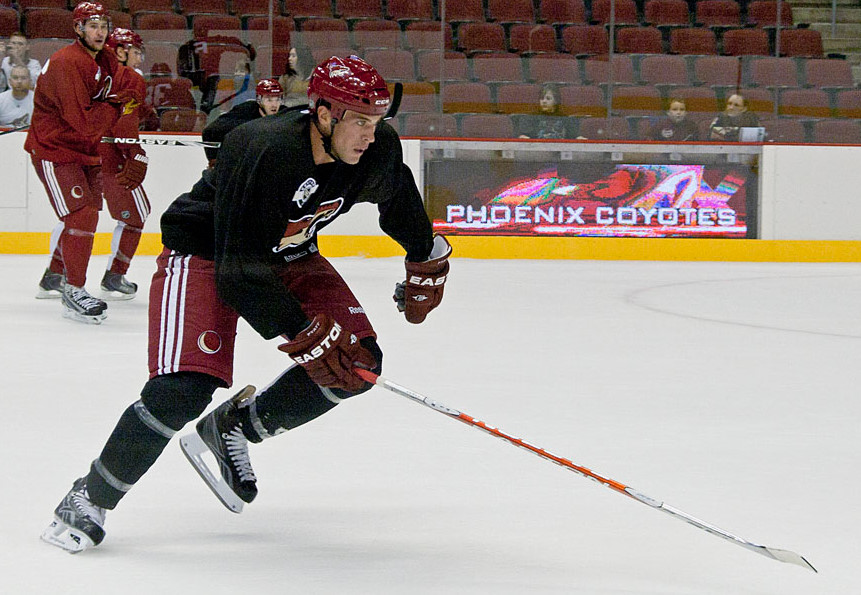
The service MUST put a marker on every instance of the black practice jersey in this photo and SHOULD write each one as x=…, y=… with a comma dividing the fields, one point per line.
x=271, y=200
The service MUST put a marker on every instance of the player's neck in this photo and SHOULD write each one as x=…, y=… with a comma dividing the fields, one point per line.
x=317, y=148
x=20, y=94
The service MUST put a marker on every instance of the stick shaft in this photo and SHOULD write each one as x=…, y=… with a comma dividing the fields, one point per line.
x=773, y=553
x=165, y=142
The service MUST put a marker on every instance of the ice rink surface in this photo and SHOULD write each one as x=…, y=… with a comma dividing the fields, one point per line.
x=731, y=391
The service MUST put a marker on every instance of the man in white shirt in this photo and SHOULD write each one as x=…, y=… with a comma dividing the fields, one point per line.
x=16, y=104
x=18, y=50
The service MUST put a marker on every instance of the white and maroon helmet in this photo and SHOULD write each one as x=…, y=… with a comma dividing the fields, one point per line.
x=269, y=88
x=348, y=84
x=126, y=38
x=88, y=11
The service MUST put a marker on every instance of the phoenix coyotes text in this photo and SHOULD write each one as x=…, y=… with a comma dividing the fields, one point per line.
x=503, y=214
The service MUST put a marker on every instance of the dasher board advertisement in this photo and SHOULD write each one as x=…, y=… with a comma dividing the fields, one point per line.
x=590, y=199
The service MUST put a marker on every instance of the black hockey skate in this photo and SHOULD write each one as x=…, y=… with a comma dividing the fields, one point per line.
x=220, y=433
x=78, y=523
x=50, y=286
x=117, y=287
x=79, y=305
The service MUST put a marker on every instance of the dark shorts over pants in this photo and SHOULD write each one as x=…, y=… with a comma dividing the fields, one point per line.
x=192, y=330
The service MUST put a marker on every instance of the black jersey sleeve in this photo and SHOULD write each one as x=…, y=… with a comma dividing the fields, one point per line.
x=246, y=227
x=390, y=184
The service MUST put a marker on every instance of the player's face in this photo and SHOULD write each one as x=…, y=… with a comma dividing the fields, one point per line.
x=353, y=135
x=134, y=57
x=94, y=33
x=269, y=104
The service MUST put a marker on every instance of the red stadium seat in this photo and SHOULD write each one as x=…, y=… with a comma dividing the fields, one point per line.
x=662, y=69
x=784, y=130
x=463, y=11
x=466, y=98
x=303, y=9
x=828, y=73
x=159, y=21
x=763, y=13
x=562, y=12
x=224, y=24
x=800, y=43
x=639, y=40
x=626, y=12
x=393, y=65
x=718, y=13
x=772, y=72
x=324, y=33
x=405, y=11
x=510, y=11
x=429, y=125
x=42, y=49
x=693, y=40
x=613, y=128
x=120, y=19
x=847, y=103
x=639, y=100
x=804, y=103
x=519, y=98
x=580, y=100
x=745, y=42
x=376, y=33
x=666, y=12
x=486, y=126
x=760, y=101
x=190, y=7
x=182, y=120
x=279, y=36
x=554, y=68
x=248, y=8
x=169, y=92
x=136, y=6
x=164, y=53
x=701, y=102
x=837, y=132
x=25, y=5
x=428, y=35
x=418, y=97
x=597, y=70
x=359, y=9
x=454, y=66
x=49, y=22
x=497, y=67
x=481, y=37
x=720, y=71
x=582, y=40
x=529, y=38
x=9, y=21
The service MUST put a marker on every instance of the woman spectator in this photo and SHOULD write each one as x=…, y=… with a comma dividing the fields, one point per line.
x=726, y=126
x=295, y=80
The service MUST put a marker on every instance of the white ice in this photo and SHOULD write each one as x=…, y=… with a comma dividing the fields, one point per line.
x=727, y=390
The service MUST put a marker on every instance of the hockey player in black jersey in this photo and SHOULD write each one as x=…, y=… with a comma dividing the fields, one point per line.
x=246, y=245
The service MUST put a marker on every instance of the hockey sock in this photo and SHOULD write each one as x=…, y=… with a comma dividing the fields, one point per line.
x=76, y=244
x=56, y=265
x=167, y=403
x=293, y=399
x=124, y=244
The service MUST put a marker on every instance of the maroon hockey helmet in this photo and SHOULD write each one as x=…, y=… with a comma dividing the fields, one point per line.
x=269, y=88
x=120, y=37
x=348, y=84
x=86, y=11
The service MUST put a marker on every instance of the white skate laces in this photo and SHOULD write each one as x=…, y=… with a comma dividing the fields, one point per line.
x=237, y=450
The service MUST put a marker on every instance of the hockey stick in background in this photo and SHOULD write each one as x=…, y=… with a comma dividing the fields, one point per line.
x=165, y=142
x=11, y=130
x=769, y=552
x=395, y=105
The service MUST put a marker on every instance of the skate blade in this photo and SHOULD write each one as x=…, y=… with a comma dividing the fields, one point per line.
x=48, y=294
x=59, y=534
x=72, y=315
x=116, y=296
x=193, y=447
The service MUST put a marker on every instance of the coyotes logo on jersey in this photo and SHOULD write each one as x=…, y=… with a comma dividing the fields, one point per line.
x=300, y=231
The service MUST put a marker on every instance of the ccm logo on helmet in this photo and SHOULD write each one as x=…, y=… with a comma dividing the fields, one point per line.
x=320, y=349
x=426, y=281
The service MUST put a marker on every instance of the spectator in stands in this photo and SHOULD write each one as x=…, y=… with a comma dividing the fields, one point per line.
x=676, y=126
x=726, y=126
x=243, y=82
x=16, y=104
x=295, y=80
x=18, y=53
x=550, y=122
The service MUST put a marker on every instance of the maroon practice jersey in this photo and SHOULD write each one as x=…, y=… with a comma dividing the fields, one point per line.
x=69, y=114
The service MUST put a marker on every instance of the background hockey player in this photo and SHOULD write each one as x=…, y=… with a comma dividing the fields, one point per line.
x=81, y=94
x=278, y=181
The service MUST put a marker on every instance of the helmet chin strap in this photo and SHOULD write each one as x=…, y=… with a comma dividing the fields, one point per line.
x=327, y=140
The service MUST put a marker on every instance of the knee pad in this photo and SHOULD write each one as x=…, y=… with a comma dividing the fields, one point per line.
x=84, y=220
x=176, y=399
